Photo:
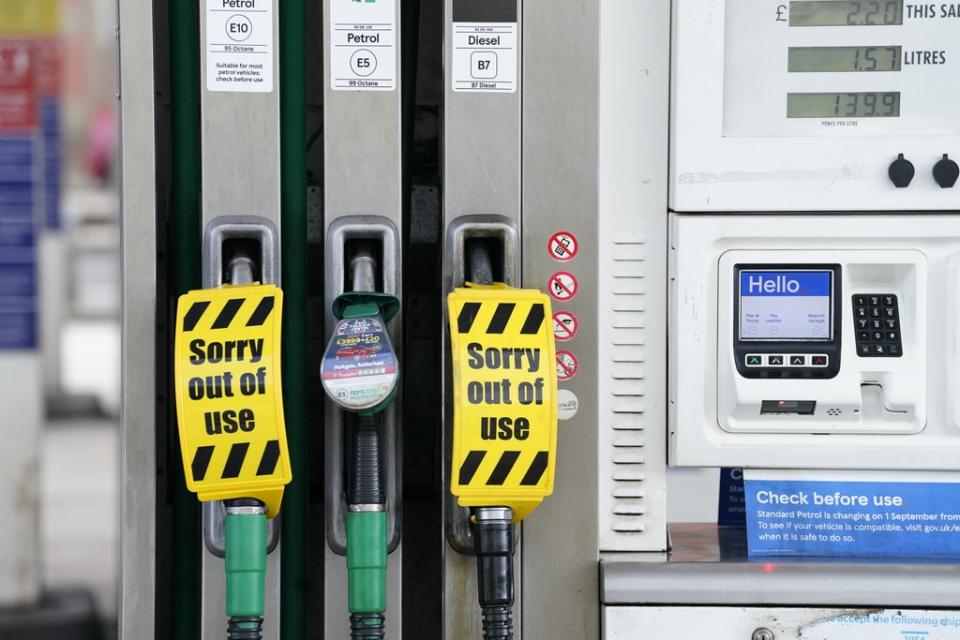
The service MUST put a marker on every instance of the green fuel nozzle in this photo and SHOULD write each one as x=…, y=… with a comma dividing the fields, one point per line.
x=360, y=373
x=245, y=560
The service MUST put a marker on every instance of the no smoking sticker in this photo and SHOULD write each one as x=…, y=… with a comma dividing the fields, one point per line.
x=565, y=326
x=567, y=365
x=563, y=286
x=563, y=246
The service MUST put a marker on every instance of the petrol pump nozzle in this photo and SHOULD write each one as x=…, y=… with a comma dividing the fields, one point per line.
x=504, y=434
x=360, y=374
x=247, y=468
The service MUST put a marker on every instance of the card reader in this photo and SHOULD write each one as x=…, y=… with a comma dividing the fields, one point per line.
x=790, y=407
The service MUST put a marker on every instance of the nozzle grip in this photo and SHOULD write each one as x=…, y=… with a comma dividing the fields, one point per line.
x=245, y=562
x=367, y=561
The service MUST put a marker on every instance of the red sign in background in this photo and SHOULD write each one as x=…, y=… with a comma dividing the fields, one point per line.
x=18, y=90
x=48, y=54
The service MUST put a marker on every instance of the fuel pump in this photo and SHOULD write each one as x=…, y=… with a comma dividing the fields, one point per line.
x=363, y=196
x=360, y=373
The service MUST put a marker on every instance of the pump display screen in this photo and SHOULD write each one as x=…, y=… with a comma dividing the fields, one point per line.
x=869, y=104
x=786, y=305
x=828, y=69
x=844, y=59
x=843, y=13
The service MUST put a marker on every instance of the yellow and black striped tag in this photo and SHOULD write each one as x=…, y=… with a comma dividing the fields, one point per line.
x=505, y=397
x=229, y=395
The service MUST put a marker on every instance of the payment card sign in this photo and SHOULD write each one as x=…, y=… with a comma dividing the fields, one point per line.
x=229, y=396
x=505, y=397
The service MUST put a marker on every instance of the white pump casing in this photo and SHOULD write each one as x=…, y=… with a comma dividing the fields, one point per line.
x=734, y=148
x=848, y=402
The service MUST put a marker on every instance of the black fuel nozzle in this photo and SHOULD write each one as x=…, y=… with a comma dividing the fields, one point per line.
x=493, y=541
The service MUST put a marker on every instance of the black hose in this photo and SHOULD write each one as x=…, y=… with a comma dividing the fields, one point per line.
x=365, y=484
x=494, y=543
x=366, y=626
x=497, y=623
x=245, y=628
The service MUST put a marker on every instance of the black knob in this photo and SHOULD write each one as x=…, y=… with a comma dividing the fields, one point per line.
x=901, y=172
x=946, y=172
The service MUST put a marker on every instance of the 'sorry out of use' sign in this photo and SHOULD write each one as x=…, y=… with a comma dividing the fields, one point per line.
x=504, y=396
x=229, y=396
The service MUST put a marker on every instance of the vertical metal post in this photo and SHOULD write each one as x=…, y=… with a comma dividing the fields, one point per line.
x=139, y=250
x=560, y=120
x=363, y=199
x=481, y=201
x=240, y=141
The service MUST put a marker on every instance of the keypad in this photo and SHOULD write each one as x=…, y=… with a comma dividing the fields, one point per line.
x=876, y=318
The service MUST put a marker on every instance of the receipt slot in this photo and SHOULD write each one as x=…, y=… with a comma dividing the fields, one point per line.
x=794, y=348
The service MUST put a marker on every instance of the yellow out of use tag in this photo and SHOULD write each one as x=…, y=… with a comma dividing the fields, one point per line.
x=229, y=396
x=504, y=397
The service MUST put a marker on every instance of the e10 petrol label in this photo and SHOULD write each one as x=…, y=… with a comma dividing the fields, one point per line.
x=239, y=45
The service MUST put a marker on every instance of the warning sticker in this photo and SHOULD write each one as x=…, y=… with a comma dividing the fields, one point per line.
x=565, y=326
x=505, y=398
x=563, y=246
x=567, y=365
x=240, y=45
x=568, y=404
x=485, y=46
x=229, y=397
x=563, y=286
x=363, y=51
